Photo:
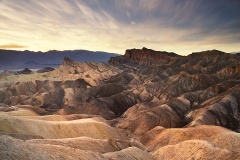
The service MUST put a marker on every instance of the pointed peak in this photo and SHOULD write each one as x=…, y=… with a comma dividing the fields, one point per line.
x=68, y=62
x=66, y=59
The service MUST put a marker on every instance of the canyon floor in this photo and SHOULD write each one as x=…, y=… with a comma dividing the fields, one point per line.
x=144, y=105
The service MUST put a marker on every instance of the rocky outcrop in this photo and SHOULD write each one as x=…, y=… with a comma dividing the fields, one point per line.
x=45, y=69
x=25, y=71
x=145, y=56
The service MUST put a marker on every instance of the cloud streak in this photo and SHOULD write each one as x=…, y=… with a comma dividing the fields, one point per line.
x=11, y=46
x=113, y=25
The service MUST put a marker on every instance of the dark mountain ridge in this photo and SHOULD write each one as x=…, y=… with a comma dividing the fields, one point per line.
x=13, y=60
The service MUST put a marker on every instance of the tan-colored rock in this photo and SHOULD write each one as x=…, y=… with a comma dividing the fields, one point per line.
x=18, y=149
x=202, y=142
x=83, y=148
x=58, y=129
x=131, y=153
x=192, y=149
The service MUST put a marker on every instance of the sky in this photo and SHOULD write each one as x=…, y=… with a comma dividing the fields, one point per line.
x=180, y=26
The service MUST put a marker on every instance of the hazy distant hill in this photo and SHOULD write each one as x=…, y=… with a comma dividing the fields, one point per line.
x=12, y=60
x=235, y=52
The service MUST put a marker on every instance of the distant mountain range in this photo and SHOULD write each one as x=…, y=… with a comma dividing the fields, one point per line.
x=17, y=60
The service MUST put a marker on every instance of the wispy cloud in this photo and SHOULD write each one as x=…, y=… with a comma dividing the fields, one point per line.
x=11, y=46
x=114, y=25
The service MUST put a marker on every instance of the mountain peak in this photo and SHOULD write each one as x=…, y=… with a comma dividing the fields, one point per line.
x=68, y=62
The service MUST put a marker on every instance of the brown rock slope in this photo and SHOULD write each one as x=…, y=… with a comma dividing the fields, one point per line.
x=202, y=88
